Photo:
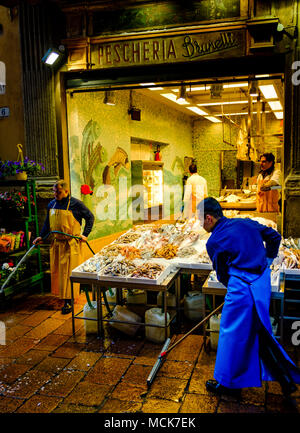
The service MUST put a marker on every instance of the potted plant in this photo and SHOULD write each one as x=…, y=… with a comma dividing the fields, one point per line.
x=16, y=168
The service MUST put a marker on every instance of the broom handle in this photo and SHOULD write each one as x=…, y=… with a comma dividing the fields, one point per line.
x=195, y=327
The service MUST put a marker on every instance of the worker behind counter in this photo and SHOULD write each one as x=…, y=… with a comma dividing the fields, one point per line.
x=195, y=191
x=267, y=199
x=65, y=214
x=241, y=251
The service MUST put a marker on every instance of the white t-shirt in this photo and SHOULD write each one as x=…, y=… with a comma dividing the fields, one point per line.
x=196, y=186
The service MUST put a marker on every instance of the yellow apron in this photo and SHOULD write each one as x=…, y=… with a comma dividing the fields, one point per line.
x=266, y=201
x=65, y=252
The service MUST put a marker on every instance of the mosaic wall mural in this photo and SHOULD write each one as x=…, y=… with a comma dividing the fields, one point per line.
x=100, y=154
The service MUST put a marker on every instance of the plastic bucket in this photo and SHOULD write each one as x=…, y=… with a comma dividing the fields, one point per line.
x=154, y=316
x=194, y=304
x=123, y=314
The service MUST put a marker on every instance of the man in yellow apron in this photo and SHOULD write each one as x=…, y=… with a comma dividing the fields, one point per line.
x=267, y=199
x=65, y=214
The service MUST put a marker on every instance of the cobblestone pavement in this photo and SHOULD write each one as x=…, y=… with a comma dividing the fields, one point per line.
x=45, y=369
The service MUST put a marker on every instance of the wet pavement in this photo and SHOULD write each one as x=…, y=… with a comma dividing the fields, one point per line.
x=45, y=369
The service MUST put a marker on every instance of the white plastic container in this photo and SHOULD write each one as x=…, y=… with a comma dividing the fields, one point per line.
x=171, y=299
x=90, y=326
x=154, y=316
x=194, y=303
x=214, y=325
x=136, y=296
x=123, y=314
x=111, y=294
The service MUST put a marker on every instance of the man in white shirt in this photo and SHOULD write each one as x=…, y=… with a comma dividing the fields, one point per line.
x=267, y=199
x=195, y=191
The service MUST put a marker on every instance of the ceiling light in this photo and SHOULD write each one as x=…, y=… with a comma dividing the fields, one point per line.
x=224, y=103
x=275, y=105
x=228, y=86
x=262, y=76
x=253, y=89
x=109, y=98
x=195, y=89
x=239, y=114
x=151, y=84
x=268, y=91
x=173, y=98
x=198, y=110
x=278, y=114
x=213, y=119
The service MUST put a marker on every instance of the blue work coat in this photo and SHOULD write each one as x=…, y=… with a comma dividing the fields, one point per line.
x=239, y=256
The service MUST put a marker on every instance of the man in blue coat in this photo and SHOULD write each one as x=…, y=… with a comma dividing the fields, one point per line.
x=248, y=353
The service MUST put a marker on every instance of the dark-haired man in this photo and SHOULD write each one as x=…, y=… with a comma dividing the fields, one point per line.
x=248, y=353
x=267, y=199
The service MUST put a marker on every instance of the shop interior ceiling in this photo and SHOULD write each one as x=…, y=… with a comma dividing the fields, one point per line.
x=223, y=98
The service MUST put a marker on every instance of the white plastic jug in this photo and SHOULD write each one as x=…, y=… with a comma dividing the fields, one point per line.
x=194, y=304
x=136, y=296
x=111, y=295
x=90, y=326
x=171, y=299
x=154, y=316
x=214, y=325
x=123, y=314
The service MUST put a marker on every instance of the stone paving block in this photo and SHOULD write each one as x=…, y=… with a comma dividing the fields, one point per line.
x=74, y=408
x=125, y=347
x=273, y=387
x=52, y=342
x=9, y=404
x=233, y=407
x=148, y=354
x=16, y=332
x=39, y=404
x=199, y=377
x=97, y=345
x=187, y=350
x=197, y=403
x=11, y=319
x=129, y=392
x=88, y=394
x=206, y=358
x=108, y=370
x=153, y=405
x=278, y=404
x=36, y=318
x=65, y=327
x=137, y=374
x=112, y=405
x=32, y=357
x=68, y=350
x=256, y=396
x=18, y=347
x=84, y=361
x=28, y=384
x=167, y=388
x=52, y=365
x=179, y=370
x=62, y=384
x=12, y=372
x=45, y=328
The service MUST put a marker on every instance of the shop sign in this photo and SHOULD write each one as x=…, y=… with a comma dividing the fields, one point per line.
x=187, y=47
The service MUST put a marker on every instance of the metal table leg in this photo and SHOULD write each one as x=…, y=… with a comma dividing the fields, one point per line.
x=72, y=305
